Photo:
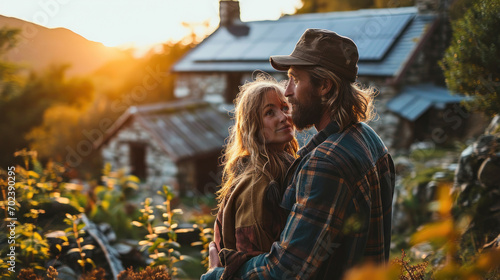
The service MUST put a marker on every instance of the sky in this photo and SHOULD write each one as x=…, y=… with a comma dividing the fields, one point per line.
x=137, y=23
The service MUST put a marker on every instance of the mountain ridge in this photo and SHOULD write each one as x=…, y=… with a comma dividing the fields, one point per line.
x=39, y=47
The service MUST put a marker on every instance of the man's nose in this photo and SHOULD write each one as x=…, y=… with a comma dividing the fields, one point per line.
x=289, y=89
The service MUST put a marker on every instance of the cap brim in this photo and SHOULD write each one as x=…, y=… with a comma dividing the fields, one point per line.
x=283, y=62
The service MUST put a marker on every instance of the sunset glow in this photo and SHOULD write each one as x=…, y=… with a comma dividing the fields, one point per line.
x=139, y=24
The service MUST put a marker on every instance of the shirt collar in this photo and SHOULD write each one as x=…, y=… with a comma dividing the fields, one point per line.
x=317, y=139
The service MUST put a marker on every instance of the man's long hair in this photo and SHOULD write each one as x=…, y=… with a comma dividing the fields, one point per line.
x=348, y=103
x=246, y=155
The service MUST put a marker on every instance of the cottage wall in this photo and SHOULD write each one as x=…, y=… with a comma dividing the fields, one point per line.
x=159, y=169
x=384, y=122
x=201, y=86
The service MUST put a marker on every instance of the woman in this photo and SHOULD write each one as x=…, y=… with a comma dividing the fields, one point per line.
x=261, y=146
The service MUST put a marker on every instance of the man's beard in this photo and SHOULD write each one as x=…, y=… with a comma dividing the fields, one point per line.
x=306, y=114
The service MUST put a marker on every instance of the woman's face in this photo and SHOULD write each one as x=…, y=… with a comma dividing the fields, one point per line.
x=277, y=122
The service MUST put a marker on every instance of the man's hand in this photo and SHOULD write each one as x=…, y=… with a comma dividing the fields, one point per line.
x=213, y=256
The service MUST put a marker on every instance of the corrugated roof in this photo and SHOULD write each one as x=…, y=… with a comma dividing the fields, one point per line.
x=183, y=129
x=385, y=39
x=413, y=101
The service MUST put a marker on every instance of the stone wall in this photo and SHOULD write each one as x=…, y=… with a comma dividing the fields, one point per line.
x=384, y=122
x=160, y=169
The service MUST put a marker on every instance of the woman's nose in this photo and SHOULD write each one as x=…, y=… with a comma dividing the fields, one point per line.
x=284, y=116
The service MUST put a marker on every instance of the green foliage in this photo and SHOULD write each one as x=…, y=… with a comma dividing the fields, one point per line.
x=34, y=189
x=206, y=236
x=156, y=273
x=322, y=6
x=115, y=199
x=161, y=238
x=75, y=230
x=9, y=81
x=26, y=110
x=470, y=64
x=441, y=261
x=45, y=199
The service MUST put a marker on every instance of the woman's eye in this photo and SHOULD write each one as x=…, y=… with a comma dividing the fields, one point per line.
x=286, y=108
x=269, y=113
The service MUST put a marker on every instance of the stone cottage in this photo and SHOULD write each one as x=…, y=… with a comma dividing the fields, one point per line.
x=177, y=144
x=399, y=50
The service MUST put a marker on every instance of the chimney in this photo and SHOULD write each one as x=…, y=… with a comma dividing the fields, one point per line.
x=427, y=6
x=229, y=13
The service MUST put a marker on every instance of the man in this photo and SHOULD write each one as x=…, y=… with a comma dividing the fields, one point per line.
x=341, y=186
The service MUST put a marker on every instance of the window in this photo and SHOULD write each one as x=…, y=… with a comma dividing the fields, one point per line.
x=138, y=160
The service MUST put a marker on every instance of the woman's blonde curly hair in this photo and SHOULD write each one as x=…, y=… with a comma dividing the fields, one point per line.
x=246, y=153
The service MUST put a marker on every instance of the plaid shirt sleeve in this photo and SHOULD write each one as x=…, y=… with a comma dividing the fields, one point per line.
x=313, y=228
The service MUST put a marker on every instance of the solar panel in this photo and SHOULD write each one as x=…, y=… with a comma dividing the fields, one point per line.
x=385, y=38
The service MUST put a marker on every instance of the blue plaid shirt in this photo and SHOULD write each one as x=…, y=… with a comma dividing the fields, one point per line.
x=340, y=199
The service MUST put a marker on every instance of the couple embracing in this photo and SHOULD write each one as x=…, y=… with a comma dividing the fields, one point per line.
x=311, y=213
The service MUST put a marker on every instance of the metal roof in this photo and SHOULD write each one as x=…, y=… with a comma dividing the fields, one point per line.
x=183, y=129
x=413, y=101
x=385, y=39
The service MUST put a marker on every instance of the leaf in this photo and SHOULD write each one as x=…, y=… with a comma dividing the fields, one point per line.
x=174, y=244
x=62, y=200
x=37, y=236
x=145, y=242
x=132, y=185
x=33, y=174
x=29, y=195
x=433, y=231
x=188, y=258
x=74, y=250
x=133, y=178
x=137, y=224
x=161, y=229
x=156, y=256
x=64, y=238
x=158, y=243
x=88, y=260
x=177, y=211
x=184, y=230
x=39, y=267
x=197, y=243
x=88, y=247
x=105, y=204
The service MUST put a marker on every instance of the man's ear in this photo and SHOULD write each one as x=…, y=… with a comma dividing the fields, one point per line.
x=325, y=87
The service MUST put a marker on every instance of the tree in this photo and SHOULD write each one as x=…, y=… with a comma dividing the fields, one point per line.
x=322, y=6
x=25, y=110
x=471, y=63
x=9, y=81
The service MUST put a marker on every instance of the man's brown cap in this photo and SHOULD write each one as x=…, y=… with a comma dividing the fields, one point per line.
x=323, y=48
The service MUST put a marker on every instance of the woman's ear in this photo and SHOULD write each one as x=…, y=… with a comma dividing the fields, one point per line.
x=325, y=87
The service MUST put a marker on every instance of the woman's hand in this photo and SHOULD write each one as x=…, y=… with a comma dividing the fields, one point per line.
x=213, y=256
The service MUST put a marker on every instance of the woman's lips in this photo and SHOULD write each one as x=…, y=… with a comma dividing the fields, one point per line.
x=286, y=127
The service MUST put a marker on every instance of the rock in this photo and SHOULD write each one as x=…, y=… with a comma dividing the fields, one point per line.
x=489, y=172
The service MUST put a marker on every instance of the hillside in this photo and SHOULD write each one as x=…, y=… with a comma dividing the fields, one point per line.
x=38, y=47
